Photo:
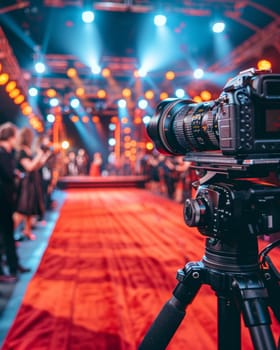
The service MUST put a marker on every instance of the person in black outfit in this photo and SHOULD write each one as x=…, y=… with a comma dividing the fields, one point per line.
x=8, y=132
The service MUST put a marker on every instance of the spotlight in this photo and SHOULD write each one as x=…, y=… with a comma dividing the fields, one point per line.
x=122, y=103
x=40, y=67
x=142, y=104
x=95, y=69
x=112, y=142
x=112, y=126
x=65, y=144
x=142, y=72
x=160, y=20
x=180, y=93
x=50, y=118
x=33, y=92
x=218, y=27
x=198, y=73
x=54, y=102
x=146, y=119
x=74, y=103
x=88, y=16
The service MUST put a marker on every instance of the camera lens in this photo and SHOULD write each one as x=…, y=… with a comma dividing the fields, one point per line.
x=181, y=126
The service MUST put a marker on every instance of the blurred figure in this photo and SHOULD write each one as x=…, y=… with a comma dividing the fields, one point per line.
x=8, y=132
x=96, y=165
x=82, y=162
x=71, y=164
x=184, y=185
x=47, y=169
x=30, y=201
x=170, y=176
x=153, y=171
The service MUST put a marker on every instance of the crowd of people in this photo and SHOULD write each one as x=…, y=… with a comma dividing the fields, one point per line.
x=25, y=191
x=166, y=175
x=27, y=164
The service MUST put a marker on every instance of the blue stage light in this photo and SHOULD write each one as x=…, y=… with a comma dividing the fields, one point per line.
x=88, y=16
x=160, y=20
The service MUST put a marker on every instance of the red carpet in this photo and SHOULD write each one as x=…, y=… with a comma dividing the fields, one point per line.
x=109, y=268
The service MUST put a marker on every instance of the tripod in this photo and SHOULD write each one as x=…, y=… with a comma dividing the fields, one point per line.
x=230, y=266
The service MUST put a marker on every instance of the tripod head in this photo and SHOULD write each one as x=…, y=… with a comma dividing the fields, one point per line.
x=232, y=209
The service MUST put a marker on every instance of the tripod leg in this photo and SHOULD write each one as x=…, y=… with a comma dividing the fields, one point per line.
x=254, y=303
x=173, y=312
x=229, y=334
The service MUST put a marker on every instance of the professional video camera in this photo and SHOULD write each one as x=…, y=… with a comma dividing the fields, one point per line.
x=244, y=120
x=233, y=142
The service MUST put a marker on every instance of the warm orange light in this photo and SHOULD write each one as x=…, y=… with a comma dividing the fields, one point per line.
x=170, y=75
x=0, y=66
x=71, y=72
x=127, y=138
x=149, y=94
x=163, y=95
x=126, y=130
x=127, y=153
x=4, y=77
x=124, y=120
x=26, y=110
x=19, y=99
x=126, y=145
x=133, y=158
x=51, y=93
x=197, y=99
x=205, y=95
x=85, y=119
x=80, y=91
x=114, y=119
x=101, y=93
x=137, y=120
x=75, y=118
x=14, y=93
x=126, y=92
x=149, y=146
x=95, y=119
x=11, y=86
x=106, y=72
x=264, y=64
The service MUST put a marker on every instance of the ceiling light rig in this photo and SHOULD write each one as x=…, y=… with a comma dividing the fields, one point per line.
x=11, y=78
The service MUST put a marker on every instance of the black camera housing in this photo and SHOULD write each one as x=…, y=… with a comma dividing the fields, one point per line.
x=243, y=122
x=249, y=114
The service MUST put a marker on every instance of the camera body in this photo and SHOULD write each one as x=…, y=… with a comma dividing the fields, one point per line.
x=249, y=114
x=243, y=121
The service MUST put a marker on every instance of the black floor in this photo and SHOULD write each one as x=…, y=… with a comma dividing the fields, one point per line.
x=30, y=254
